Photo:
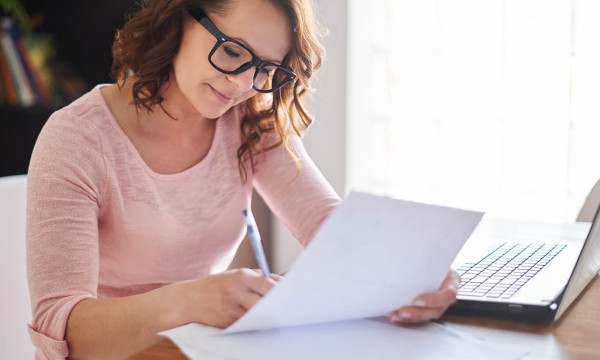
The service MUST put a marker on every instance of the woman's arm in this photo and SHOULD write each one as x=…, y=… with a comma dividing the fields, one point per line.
x=302, y=201
x=120, y=327
x=66, y=183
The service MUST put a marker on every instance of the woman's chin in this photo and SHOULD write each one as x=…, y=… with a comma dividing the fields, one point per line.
x=215, y=113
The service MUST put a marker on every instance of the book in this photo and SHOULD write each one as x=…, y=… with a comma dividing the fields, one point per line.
x=2, y=92
x=19, y=76
x=10, y=90
x=41, y=91
x=42, y=53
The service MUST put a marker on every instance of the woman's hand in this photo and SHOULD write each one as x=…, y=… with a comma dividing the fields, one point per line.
x=219, y=300
x=430, y=306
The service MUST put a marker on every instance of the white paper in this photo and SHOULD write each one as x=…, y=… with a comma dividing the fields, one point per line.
x=353, y=339
x=372, y=255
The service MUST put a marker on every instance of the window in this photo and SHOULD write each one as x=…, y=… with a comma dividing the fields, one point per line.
x=491, y=105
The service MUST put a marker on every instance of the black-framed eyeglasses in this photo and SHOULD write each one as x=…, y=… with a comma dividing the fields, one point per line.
x=230, y=56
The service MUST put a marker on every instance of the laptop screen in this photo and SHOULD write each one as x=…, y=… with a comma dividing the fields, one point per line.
x=586, y=268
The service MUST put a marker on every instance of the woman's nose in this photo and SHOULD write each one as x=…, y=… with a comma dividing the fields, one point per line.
x=243, y=80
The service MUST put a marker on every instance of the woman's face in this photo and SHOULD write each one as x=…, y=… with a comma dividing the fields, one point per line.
x=256, y=23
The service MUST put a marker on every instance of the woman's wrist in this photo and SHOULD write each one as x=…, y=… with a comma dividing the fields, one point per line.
x=176, y=302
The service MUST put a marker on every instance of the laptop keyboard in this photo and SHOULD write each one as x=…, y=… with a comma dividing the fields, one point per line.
x=505, y=269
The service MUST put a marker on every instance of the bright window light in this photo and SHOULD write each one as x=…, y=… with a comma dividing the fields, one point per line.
x=489, y=105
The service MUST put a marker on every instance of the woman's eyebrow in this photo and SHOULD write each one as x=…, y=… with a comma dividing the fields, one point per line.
x=278, y=62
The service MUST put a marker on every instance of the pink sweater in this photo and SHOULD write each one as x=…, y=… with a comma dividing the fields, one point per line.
x=101, y=223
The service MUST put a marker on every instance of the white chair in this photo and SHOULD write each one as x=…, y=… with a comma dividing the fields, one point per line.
x=590, y=206
x=15, y=310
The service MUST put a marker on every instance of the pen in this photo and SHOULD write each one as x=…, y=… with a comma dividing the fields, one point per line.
x=256, y=243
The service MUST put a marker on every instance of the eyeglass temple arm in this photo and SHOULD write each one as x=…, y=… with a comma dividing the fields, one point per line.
x=203, y=19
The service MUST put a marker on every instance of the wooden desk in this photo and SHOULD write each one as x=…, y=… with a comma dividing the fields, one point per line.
x=576, y=336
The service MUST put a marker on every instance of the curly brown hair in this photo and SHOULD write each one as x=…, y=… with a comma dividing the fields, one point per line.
x=150, y=39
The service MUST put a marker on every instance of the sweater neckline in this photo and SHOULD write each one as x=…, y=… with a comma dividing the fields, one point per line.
x=134, y=151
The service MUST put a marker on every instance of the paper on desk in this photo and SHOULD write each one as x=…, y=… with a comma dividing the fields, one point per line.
x=371, y=256
x=352, y=339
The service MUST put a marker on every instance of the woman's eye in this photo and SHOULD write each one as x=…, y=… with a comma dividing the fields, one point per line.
x=267, y=70
x=230, y=52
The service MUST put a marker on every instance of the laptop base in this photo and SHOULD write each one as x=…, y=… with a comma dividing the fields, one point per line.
x=502, y=310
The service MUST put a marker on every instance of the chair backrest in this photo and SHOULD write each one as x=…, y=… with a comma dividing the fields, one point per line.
x=15, y=310
x=590, y=206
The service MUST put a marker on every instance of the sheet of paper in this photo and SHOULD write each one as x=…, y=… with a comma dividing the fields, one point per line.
x=371, y=256
x=353, y=339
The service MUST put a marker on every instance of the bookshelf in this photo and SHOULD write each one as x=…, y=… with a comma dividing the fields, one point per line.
x=83, y=32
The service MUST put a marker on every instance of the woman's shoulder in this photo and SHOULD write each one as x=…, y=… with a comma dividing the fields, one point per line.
x=73, y=129
x=70, y=146
x=88, y=107
x=85, y=117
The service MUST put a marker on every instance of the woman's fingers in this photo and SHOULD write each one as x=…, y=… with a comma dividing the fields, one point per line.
x=442, y=298
x=225, y=297
x=452, y=280
x=415, y=314
x=430, y=306
x=255, y=281
x=275, y=277
x=248, y=299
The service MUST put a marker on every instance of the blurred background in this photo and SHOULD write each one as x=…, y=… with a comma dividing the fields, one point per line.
x=486, y=105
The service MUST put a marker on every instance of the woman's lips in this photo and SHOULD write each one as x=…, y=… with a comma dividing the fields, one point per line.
x=222, y=98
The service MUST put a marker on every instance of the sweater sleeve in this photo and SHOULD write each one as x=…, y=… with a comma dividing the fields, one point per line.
x=66, y=175
x=302, y=201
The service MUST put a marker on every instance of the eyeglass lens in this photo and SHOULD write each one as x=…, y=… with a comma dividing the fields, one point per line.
x=231, y=56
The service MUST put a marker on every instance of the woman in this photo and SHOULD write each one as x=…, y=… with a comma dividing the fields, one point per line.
x=136, y=190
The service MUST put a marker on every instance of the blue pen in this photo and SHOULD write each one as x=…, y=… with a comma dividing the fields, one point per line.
x=256, y=244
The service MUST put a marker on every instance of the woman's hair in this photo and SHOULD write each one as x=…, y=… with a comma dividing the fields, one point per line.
x=149, y=41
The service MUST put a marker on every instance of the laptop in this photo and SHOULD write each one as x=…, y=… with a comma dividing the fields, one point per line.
x=526, y=270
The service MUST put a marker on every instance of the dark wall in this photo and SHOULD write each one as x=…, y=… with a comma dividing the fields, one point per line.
x=83, y=31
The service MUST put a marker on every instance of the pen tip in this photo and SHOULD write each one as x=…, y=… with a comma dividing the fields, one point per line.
x=245, y=212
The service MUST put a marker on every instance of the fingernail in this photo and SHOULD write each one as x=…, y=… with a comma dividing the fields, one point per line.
x=419, y=303
x=401, y=316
